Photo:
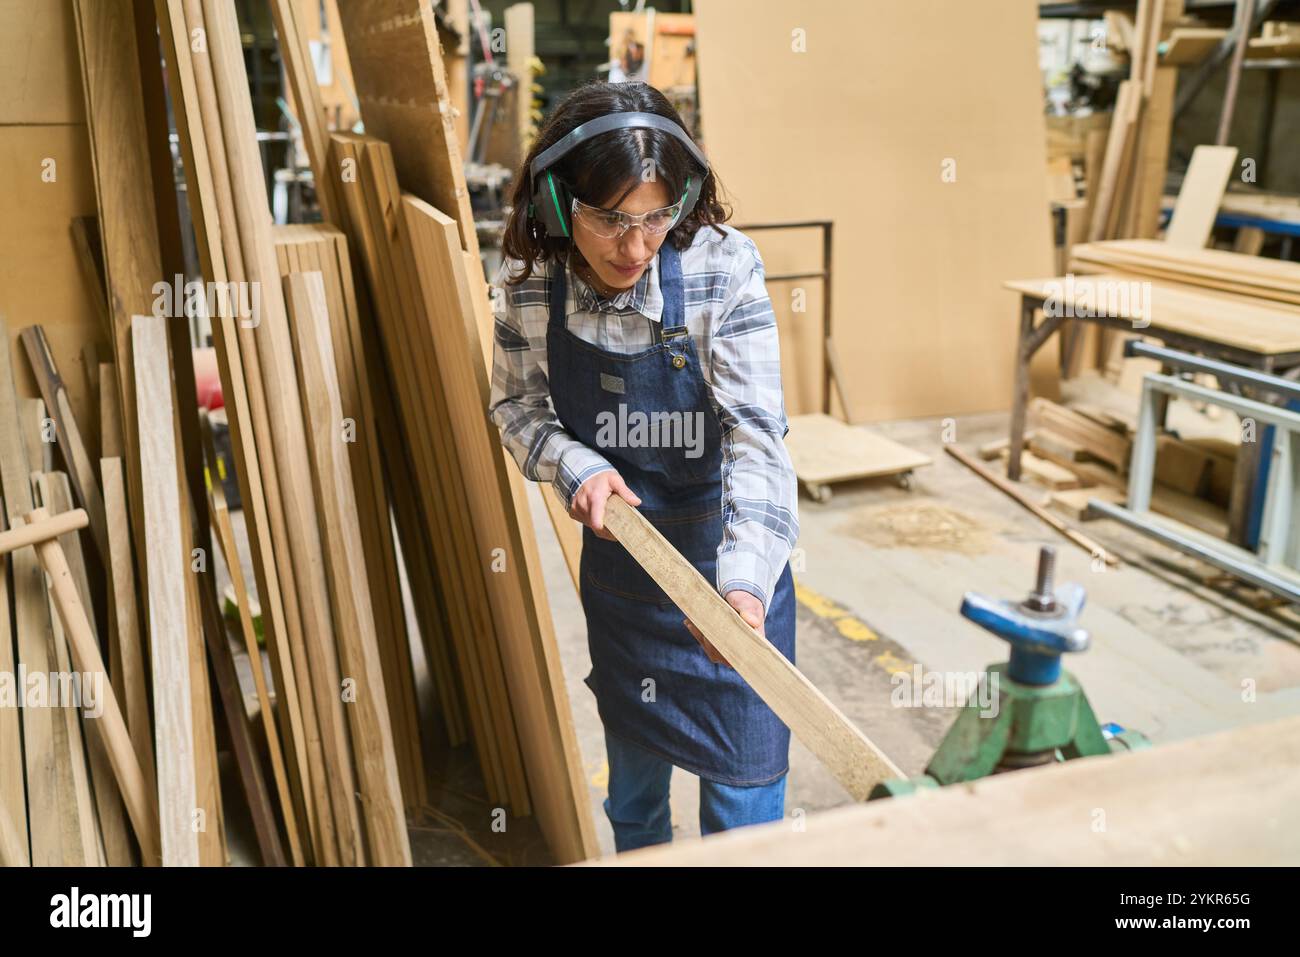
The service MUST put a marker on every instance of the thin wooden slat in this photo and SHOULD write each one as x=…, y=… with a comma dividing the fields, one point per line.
x=167, y=564
x=81, y=471
x=131, y=683
x=301, y=73
x=219, y=514
x=1010, y=489
x=847, y=753
x=380, y=791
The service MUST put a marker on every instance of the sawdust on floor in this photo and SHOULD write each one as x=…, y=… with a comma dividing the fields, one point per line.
x=918, y=525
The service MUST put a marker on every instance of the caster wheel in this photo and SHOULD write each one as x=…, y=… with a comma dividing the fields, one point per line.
x=820, y=493
x=905, y=481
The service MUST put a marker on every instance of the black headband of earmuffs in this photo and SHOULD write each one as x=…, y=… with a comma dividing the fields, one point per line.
x=551, y=197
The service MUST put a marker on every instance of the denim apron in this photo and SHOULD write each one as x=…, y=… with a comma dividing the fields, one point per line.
x=653, y=683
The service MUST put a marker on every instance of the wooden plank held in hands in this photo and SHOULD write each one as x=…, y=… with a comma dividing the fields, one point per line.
x=848, y=753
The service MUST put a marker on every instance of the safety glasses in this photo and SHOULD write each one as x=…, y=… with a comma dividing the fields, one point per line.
x=613, y=223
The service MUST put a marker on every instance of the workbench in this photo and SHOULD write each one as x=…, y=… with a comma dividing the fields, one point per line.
x=1251, y=333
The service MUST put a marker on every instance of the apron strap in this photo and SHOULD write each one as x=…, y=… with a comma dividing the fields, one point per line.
x=672, y=323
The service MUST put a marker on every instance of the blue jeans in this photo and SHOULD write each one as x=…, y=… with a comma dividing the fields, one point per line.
x=637, y=806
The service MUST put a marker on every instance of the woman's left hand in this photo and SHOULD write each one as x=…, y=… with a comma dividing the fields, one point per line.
x=749, y=608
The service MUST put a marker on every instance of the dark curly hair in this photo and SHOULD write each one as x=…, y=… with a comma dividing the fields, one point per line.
x=604, y=169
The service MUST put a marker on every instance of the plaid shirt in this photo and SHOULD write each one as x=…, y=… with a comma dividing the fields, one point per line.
x=729, y=317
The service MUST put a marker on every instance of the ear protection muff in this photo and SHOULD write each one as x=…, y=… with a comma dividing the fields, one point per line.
x=552, y=199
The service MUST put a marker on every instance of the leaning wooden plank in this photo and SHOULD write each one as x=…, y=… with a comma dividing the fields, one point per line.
x=81, y=471
x=167, y=565
x=45, y=744
x=204, y=155
x=1121, y=131
x=1200, y=195
x=13, y=799
x=1230, y=798
x=521, y=612
x=1010, y=489
x=379, y=789
x=85, y=653
x=219, y=515
x=301, y=73
x=131, y=684
x=13, y=843
x=56, y=496
x=275, y=353
x=128, y=229
x=848, y=753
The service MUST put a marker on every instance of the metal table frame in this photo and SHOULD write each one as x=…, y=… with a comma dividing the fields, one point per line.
x=1032, y=338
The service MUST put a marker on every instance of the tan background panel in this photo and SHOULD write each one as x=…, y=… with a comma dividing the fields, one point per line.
x=856, y=130
x=40, y=279
x=39, y=78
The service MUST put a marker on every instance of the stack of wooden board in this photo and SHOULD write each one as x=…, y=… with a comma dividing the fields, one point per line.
x=1276, y=281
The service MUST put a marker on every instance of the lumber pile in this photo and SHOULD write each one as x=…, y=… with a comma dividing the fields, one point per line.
x=1274, y=280
x=376, y=516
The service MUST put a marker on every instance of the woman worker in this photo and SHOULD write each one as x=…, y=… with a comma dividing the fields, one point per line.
x=622, y=301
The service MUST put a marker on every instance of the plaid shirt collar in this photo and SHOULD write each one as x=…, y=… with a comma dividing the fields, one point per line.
x=644, y=297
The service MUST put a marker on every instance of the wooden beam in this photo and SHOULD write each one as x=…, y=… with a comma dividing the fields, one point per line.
x=1008, y=488
x=848, y=753
x=168, y=614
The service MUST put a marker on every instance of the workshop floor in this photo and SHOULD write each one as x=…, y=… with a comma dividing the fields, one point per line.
x=880, y=574
x=1174, y=655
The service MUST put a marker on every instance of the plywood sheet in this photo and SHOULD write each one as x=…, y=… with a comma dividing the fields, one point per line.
x=828, y=133
x=1199, y=198
x=824, y=449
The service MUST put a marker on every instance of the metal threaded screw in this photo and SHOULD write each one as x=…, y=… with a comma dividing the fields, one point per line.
x=1042, y=598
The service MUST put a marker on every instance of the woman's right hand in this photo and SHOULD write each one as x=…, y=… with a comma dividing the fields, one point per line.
x=589, y=504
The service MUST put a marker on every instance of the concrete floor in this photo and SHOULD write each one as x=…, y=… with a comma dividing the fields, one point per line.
x=882, y=577
x=880, y=574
